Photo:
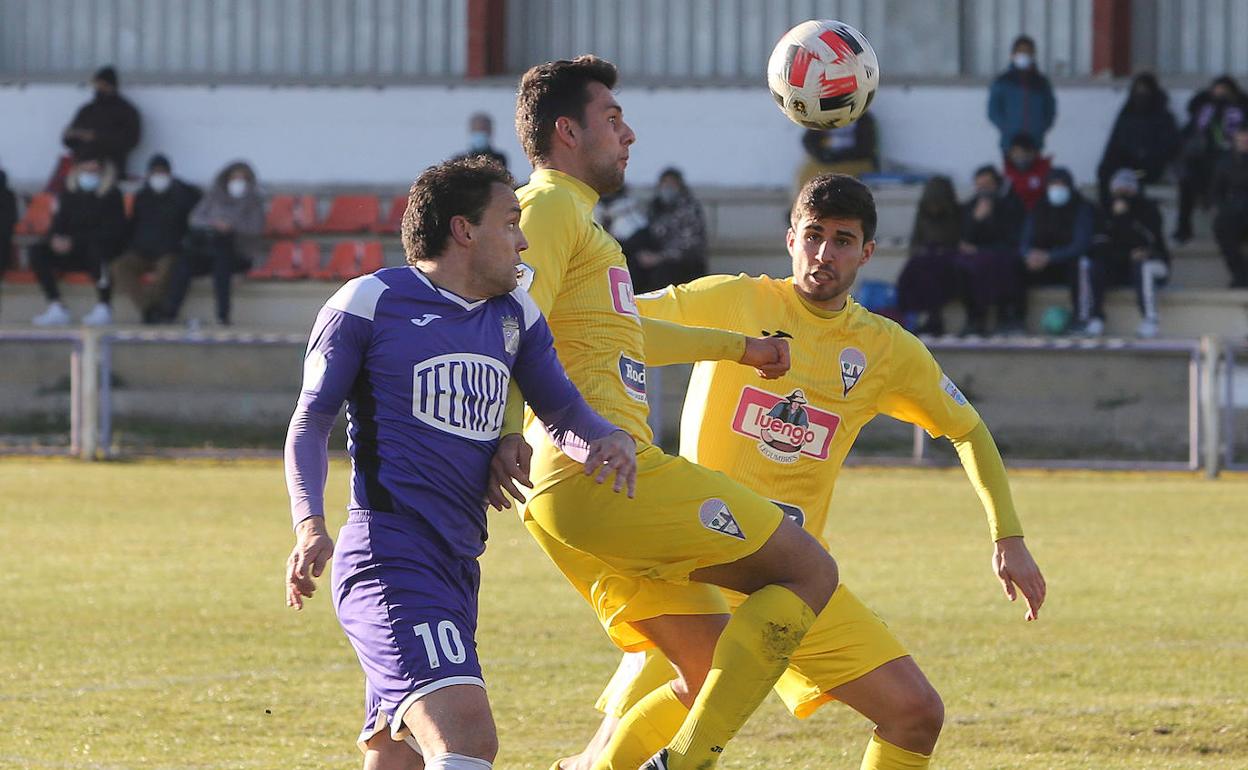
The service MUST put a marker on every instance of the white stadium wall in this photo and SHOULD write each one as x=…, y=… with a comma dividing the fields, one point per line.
x=385, y=136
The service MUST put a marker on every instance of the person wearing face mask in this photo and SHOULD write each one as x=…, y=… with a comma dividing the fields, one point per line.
x=1130, y=251
x=1230, y=190
x=852, y=149
x=87, y=232
x=480, y=137
x=988, y=254
x=158, y=225
x=1213, y=115
x=1020, y=100
x=1144, y=138
x=1027, y=170
x=1055, y=247
x=928, y=280
x=672, y=246
x=225, y=228
x=108, y=125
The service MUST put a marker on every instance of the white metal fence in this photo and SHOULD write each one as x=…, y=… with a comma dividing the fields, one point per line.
x=1210, y=404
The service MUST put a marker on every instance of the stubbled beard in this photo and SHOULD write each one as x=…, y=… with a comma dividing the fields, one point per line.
x=607, y=179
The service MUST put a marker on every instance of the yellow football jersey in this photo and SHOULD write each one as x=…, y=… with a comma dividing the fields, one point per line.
x=576, y=273
x=787, y=438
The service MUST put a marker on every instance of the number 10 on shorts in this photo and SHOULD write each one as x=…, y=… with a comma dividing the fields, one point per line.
x=448, y=639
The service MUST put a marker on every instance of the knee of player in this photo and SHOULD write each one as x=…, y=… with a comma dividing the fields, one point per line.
x=925, y=711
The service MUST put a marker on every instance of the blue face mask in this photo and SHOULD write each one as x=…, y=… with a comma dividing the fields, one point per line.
x=88, y=181
x=479, y=140
x=1059, y=195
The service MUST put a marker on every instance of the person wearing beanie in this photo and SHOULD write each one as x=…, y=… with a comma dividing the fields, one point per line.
x=158, y=225
x=1055, y=248
x=108, y=125
x=1130, y=250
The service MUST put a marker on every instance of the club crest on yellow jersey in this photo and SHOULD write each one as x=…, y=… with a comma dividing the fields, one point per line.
x=853, y=364
x=786, y=427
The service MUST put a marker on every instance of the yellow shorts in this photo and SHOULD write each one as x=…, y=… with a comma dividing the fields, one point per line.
x=631, y=559
x=847, y=641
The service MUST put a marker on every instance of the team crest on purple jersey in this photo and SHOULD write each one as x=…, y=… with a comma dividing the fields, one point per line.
x=511, y=334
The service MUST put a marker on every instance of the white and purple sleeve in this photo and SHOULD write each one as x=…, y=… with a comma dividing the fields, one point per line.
x=331, y=364
x=571, y=423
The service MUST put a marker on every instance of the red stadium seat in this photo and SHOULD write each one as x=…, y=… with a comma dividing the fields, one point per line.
x=394, y=219
x=351, y=214
x=289, y=261
x=128, y=202
x=18, y=276
x=289, y=214
x=352, y=258
x=38, y=217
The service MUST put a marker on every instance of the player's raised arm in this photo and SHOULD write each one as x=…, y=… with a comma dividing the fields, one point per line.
x=332, y=361
x=920, y=393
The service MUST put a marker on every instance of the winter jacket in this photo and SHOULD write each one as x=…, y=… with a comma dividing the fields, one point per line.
x=1210, y=123
x=244, y=215
x=116, y=124
x=856, y=141
x=1021, y=102
x=1145, y=138
x=8, y=220
x=1029, y=183
x=1139, y=227
x=160, y=220
x=1065, y=232
x=1000, y=230
x=678, y=230
x=1230, y=181
x=96, y=217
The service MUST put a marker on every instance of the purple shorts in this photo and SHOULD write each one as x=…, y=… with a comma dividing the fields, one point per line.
x=410, y=611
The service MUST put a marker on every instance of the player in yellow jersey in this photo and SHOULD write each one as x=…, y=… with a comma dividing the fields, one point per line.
x=787, y=439
x=649, y=566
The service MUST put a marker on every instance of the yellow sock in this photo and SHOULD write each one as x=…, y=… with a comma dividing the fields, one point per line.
x=882, y=755
x=643, y=730
x=752, y=653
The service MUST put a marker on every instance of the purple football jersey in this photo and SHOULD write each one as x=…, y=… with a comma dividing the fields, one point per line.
x=424, y=373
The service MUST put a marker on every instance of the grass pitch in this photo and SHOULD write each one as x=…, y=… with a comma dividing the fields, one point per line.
x=144, y=626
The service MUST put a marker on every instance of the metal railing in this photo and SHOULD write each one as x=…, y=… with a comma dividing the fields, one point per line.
x=1211, y=366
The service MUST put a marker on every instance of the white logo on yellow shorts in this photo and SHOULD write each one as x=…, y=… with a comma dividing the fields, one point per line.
x=715, y=515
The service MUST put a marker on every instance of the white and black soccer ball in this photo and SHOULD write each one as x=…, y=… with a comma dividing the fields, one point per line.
x=823, y=74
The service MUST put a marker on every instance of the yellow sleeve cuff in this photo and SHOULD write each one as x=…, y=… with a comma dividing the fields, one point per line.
x=984, y=467
x=670, y=343
x=513, y=413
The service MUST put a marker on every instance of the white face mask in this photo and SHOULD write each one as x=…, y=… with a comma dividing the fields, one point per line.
x=159, y=182
x=1058, y=194
x=236, y=187
x=89, y=181
x=1022, y=60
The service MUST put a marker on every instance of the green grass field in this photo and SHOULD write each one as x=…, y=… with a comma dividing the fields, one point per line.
x=144, y=626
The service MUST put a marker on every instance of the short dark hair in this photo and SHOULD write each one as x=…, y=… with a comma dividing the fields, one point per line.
x=553, y=90
x=453, y=188
x=837, y=195
x=1021, y=40
x=989, y=169
x=1024, y=140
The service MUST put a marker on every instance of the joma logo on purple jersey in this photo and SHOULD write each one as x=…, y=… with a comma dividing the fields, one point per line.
x=462, y=394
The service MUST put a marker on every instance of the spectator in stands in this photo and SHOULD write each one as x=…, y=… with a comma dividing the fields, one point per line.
x=928, y=279
x=225, y=227
x=158, y=225
x=1027, y=170
x=480, y=139
x=988, y=260
x=1055, y=247
x=107, y=126
x=1230, y=226
x=852, y=149
x=674, y=246
x=88, y=230
x=622, y=215
x=1020, y=100
x=1131, y=251
x=1145, y=136
x=8, y=221
x=1212, y=117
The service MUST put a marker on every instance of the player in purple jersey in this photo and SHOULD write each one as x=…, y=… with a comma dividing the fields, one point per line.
x=423, y=356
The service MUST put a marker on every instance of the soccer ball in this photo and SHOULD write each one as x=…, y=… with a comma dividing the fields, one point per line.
x=823, y=74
